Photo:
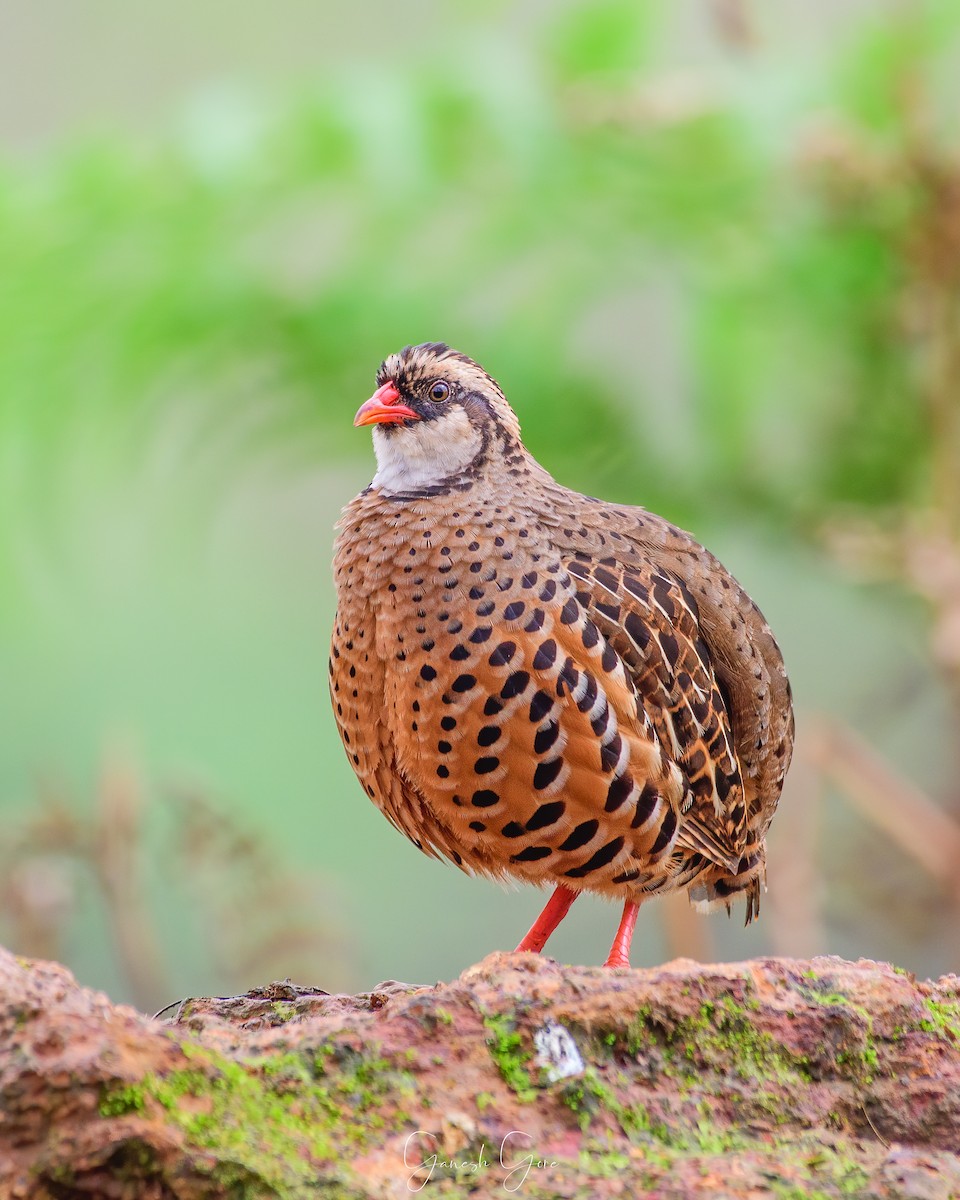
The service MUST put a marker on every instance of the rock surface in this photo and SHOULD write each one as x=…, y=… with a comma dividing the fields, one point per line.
x=773, y=1077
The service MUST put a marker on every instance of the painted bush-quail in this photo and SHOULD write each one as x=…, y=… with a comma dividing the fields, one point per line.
x=537, y=684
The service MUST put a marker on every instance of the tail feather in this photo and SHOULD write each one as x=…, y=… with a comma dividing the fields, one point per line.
x=749, y=881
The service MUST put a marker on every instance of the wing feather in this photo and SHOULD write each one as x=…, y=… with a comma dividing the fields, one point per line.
x=650, y=619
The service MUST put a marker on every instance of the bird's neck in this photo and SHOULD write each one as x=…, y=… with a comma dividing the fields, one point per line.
x=446, y=455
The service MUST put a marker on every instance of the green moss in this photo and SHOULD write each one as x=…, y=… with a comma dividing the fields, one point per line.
x=606, y=1165
x=443, y=1016
x=283, y=1010
x=506, y=1050
x=589, y=1097
x=862, y=1060
x=575, y=1096
x=484, y=1100
x=121, y=1101
x=794, y=1168
x=278, y=1120
x=944, y=1018
x=819, y=1172
x=285, y=1067
x=724, y=1035
x=638, y=1038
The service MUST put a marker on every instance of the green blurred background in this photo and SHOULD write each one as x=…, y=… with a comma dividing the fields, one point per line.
x=712, y=253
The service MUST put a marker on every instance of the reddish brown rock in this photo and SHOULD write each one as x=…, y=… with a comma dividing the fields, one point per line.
x=766, y=1078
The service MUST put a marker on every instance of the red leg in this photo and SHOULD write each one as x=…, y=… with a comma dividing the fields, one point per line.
x=555, y=910
x=619, y=955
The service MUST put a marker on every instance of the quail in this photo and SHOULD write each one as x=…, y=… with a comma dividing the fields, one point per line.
x=539, y=685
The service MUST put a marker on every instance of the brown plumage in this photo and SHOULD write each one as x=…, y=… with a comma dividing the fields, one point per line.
x=537, y=684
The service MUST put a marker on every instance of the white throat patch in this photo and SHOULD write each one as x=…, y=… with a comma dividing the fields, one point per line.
x=424, y=454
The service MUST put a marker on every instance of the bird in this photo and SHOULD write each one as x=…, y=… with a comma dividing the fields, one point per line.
x=541, y=686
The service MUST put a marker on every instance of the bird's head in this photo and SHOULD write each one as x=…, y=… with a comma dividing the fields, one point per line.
x=436, y=415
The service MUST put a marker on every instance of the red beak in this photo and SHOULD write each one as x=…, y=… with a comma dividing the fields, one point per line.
x=384, y=408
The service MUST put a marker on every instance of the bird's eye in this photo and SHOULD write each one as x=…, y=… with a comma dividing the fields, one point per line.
x=439, y=391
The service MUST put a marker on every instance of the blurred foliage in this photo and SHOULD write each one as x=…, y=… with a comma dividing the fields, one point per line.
x=251, y=913
x=730, y=294
x=235, y=287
